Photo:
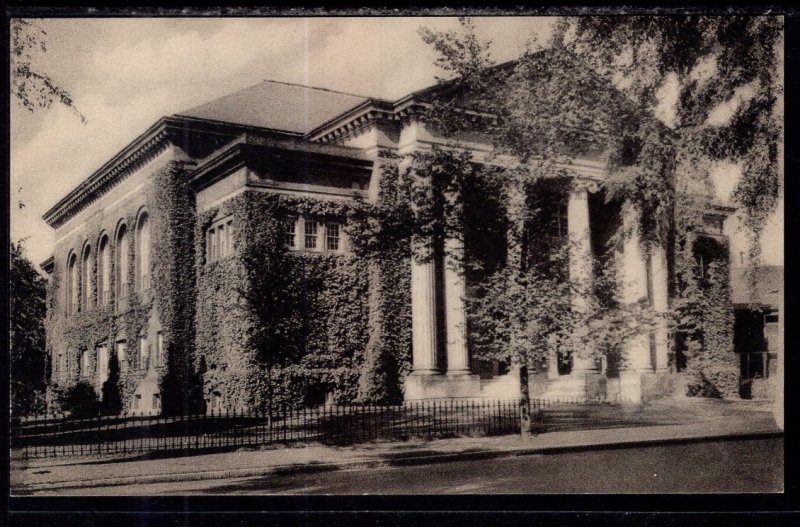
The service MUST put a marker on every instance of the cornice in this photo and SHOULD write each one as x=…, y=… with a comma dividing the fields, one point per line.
x=139, y=152
x=353, y=122
x=241, y=153
x=48, y=265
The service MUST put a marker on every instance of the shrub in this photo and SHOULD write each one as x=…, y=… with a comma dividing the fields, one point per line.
x=79, y=400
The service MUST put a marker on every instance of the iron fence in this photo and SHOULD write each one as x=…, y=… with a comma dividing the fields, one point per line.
x=51, y=436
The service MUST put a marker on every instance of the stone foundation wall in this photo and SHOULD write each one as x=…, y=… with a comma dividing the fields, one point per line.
x=657, y=385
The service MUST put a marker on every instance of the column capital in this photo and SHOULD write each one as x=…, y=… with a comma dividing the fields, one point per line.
x=584, y=184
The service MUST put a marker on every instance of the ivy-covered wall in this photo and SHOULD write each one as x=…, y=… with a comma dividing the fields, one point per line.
x=277, y=326
x=380, y=237
x=706, y=319
x=166, y=199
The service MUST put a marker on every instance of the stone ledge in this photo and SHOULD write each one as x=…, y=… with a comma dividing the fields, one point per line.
x=438, y=386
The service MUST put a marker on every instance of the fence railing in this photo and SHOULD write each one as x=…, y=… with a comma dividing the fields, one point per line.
x=50, y=436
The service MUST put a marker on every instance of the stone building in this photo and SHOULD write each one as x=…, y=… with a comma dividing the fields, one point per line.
x=148, y=267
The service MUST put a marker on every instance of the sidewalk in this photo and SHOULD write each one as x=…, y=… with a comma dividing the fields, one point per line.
x=702, y=420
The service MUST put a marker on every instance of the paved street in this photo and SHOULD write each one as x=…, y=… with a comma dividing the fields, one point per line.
x=741, y=465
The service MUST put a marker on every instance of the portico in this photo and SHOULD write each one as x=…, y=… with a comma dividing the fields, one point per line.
x=641, y=278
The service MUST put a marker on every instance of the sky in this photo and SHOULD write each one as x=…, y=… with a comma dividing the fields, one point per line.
x=124, y=74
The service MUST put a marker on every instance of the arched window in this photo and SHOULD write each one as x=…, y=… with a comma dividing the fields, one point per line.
x=143, y=253
x=72, y=284
x=104, y=272
x=86, y=278
x=122, y=263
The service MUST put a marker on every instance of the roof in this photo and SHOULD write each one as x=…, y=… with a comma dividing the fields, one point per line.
x=280, y=106
x=768, y=288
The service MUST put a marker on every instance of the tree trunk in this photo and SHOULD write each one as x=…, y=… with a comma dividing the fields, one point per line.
x=524, y=402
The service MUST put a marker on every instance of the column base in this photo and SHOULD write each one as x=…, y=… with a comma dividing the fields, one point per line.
x=658, y=384
x=641, y=387
x=438, y=386
x=630, y=387
x=580, y=385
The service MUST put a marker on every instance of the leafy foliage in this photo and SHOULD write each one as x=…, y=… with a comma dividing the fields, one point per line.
x=79, y=400
x=31, y=87
x=716, y=63
x=27, y=310
x=276, y=327
x=593, y=91
x=172, y=264
x=110, y=394
x=172, y=208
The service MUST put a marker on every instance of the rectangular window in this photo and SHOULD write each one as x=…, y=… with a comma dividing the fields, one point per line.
x=222, y=242
x=141, y=360
x=219, y=240
x=332, y=237
x=85, y=363
x=289, y=225
x=137, y=401
x=310, y=234
x=122, y=355
x=210, y=239
x=102, y=362
x=159, y=349
x=558, y=221
x=156, y=401
x=228, y=229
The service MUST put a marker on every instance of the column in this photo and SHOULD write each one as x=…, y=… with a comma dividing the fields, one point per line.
x=580, y=266
x=423, y=302
x=660, y=302
x=423, y=317
x=455, y=312
x=633, y=289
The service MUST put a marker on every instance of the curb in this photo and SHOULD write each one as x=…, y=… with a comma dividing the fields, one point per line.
x=475, y=455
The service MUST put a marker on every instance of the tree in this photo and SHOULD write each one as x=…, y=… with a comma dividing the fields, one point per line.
x=726, y=72
x=31, y=87
x=593, y=89
x=273, y=293
x=597, y=84
x=27, y=296
x=110, y=391
x=539, y=111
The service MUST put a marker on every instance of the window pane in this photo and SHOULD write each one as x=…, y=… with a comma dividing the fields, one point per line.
x=122, y=356
x=87, y=278
x=102, y=362
x=142, y=352
x=222, y=234
x=159, y=349
x=332, y=237
x=311, y=234
x=288, y=231
x=143, y=253
x=122, y=263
